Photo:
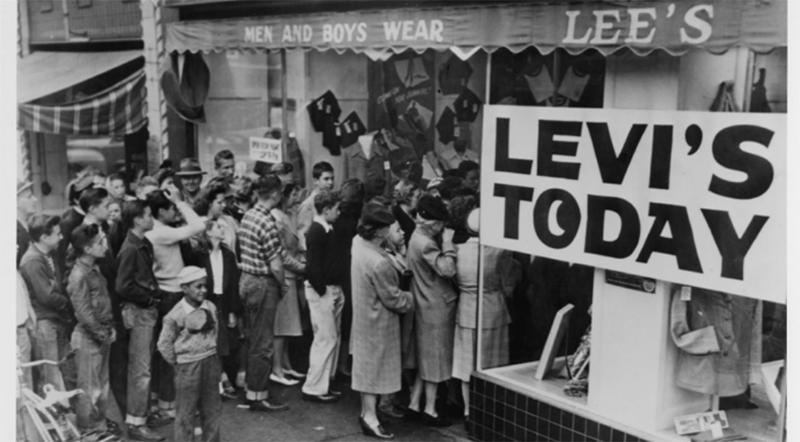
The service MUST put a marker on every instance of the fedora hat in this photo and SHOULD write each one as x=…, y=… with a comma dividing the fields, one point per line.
x=189, y=167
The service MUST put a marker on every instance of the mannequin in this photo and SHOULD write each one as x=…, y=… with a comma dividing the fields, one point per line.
x=718, y=335
x=368, y=157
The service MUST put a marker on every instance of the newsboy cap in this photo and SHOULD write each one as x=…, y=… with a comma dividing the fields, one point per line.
x=191, y=274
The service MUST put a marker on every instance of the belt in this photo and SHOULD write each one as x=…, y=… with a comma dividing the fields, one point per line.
x=268, y=275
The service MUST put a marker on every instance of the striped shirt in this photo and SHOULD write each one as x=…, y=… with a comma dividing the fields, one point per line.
x=259, y=240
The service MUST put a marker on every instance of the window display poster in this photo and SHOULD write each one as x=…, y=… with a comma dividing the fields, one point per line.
x=694, y=198
x=402, y=95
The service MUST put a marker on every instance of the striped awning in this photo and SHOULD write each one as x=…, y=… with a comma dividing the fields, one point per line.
x=118, y=110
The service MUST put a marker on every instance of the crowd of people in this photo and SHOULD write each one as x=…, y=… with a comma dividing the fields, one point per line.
x=181, y=295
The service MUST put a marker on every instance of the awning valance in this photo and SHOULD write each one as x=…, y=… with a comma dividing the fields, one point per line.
x=118, y=110
x=44, y=73
x=643, y=26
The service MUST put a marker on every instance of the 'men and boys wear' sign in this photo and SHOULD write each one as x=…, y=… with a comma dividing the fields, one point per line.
x=695, y=198
x=676, y=27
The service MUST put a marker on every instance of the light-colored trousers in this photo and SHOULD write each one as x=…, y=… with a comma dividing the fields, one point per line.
x=326, y=321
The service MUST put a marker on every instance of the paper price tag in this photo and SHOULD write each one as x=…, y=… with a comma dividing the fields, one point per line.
x=386, y=165
x=716, y=430
x=686, y=293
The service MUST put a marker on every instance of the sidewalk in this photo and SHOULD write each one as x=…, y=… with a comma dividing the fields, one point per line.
x=306, y=421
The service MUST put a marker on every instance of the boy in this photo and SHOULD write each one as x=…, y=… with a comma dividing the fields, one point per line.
x=137, y=287
x=49, y=300
x=323, y=180
x=167, y=265
x=188, y=342
x=325, y=270
x=95, y=332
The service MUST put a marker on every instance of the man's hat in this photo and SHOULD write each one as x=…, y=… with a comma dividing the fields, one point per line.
x=376, y=214
x=191, y=274
x=23, y=186
x=432, y=208
x=189, y=167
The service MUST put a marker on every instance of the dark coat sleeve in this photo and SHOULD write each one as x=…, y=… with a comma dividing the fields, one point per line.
x=231, y=283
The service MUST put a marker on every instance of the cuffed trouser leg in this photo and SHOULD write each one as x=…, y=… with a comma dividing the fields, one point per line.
x=92, y=362
x=326, y=316
x=196, y=385
x=140, y=323
x=261, y=295
x=118, y=372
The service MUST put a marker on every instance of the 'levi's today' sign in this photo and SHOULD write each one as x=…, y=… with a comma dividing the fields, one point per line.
x=695, y=198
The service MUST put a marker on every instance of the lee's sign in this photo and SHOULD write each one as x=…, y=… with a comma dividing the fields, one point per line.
x=266, y=150
x=696, y=198
x=638, y=25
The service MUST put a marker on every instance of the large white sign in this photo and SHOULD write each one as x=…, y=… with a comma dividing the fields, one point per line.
x=696, y=198
x=266, y=150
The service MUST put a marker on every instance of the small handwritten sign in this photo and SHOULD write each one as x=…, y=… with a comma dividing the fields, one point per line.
x=265, y=149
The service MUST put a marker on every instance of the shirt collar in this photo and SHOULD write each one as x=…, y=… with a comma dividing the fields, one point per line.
x=323, y=223
x=83, y=265
x=188, y=307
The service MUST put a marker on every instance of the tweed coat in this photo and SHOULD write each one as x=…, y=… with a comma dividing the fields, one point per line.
x=435, y=296
x=377, y=304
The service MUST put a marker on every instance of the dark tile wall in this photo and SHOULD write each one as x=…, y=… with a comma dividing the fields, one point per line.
x=500, y=414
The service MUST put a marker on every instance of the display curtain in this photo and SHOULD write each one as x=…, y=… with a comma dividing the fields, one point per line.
x=185, y=85
x=118, y=110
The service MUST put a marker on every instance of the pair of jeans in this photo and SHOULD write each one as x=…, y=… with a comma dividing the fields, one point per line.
x=118, y=371
x=163, y=372
x=24, y=351
x=25, y=427
x=197, y=385
x=52, y=343
x=260, y=296
x=92, y=361
x=140, y=323
x=326, y=320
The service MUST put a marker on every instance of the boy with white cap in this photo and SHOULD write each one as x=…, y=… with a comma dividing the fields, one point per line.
x=188, y=341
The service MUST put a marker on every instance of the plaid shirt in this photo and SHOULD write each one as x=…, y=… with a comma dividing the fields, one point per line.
x=259, y=240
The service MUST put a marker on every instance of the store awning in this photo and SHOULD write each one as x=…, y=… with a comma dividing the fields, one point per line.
x=119, y=110
x=642, y=26
x=44, y=73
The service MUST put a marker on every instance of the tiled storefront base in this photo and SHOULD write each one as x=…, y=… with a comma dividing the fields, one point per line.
x=501, y=414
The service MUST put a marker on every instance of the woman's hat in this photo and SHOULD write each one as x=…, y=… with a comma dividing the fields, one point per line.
x=432, y=208
x=189, y=167
x=377, y=215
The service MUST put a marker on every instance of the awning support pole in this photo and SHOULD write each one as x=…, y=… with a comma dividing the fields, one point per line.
x=284, y=111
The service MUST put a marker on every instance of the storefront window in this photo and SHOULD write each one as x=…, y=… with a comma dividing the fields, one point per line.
x=104, y=154
x=613, y=348
x=238, y=105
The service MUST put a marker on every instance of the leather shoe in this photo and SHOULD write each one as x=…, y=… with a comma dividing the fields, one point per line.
x=159, y=419
x=266, y=406
x=390, y=411
x=377, y=431
x=409, y=414
x=294, y=374
x=323, y=398
x=283, y=380
x=141, y=432
x=435, y=421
